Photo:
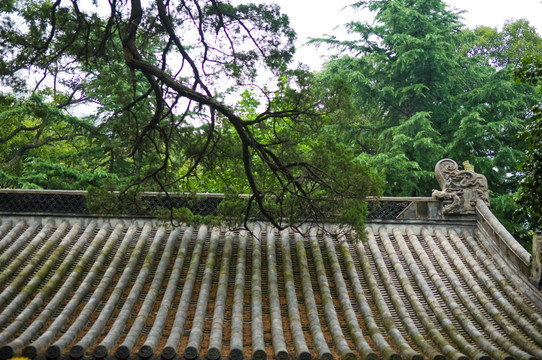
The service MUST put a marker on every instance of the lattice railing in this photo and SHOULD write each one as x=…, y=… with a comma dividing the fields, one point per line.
x=386, y=209
x=43, y=202
x=74, y=202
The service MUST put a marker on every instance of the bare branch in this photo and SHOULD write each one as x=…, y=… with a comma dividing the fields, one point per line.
x=17, y=131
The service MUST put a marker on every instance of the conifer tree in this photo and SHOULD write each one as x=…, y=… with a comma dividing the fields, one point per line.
x=163, y=80
x=422, y=93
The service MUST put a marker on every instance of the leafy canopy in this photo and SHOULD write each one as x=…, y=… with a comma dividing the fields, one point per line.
x=530, y=195
x=171, y=96
x=424, y=87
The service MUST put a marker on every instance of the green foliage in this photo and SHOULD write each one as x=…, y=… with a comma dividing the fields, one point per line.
x=394, y=168
x=106, y=200
x=530, y=195
x=423, y=88
x=264, y=19
x=103, y=200
x=315, y=186
x=513, y=218
x=530, y=71
x=40, y=146
x=38, y=173
x=517, y=40
x=401, y=81
x=145, y=73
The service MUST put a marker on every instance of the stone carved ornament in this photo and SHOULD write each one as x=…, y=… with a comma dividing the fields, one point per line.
x=460, y=188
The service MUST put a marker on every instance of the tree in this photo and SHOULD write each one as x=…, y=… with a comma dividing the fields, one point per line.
x=517, y=40
x=150, y=69
x=400, y=71
x=425, y=87
x=40, y=146
x=27, y=125
x=530, y=194
x=419, y=98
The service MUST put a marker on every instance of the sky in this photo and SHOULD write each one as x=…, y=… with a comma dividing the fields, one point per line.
x=314, y=18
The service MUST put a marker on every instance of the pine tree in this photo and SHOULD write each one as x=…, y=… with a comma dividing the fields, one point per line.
x=420, y=96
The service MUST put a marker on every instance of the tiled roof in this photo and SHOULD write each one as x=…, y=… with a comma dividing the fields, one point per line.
x=416, y=289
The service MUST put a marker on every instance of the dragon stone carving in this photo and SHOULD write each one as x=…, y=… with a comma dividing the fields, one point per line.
x=460, y=188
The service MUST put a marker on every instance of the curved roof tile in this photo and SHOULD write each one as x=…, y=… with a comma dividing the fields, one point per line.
x=121, y=288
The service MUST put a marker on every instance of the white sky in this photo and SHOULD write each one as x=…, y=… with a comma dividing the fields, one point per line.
x=314, y=18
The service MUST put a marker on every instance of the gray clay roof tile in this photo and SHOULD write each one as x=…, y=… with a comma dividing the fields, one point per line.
x=116, y=287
